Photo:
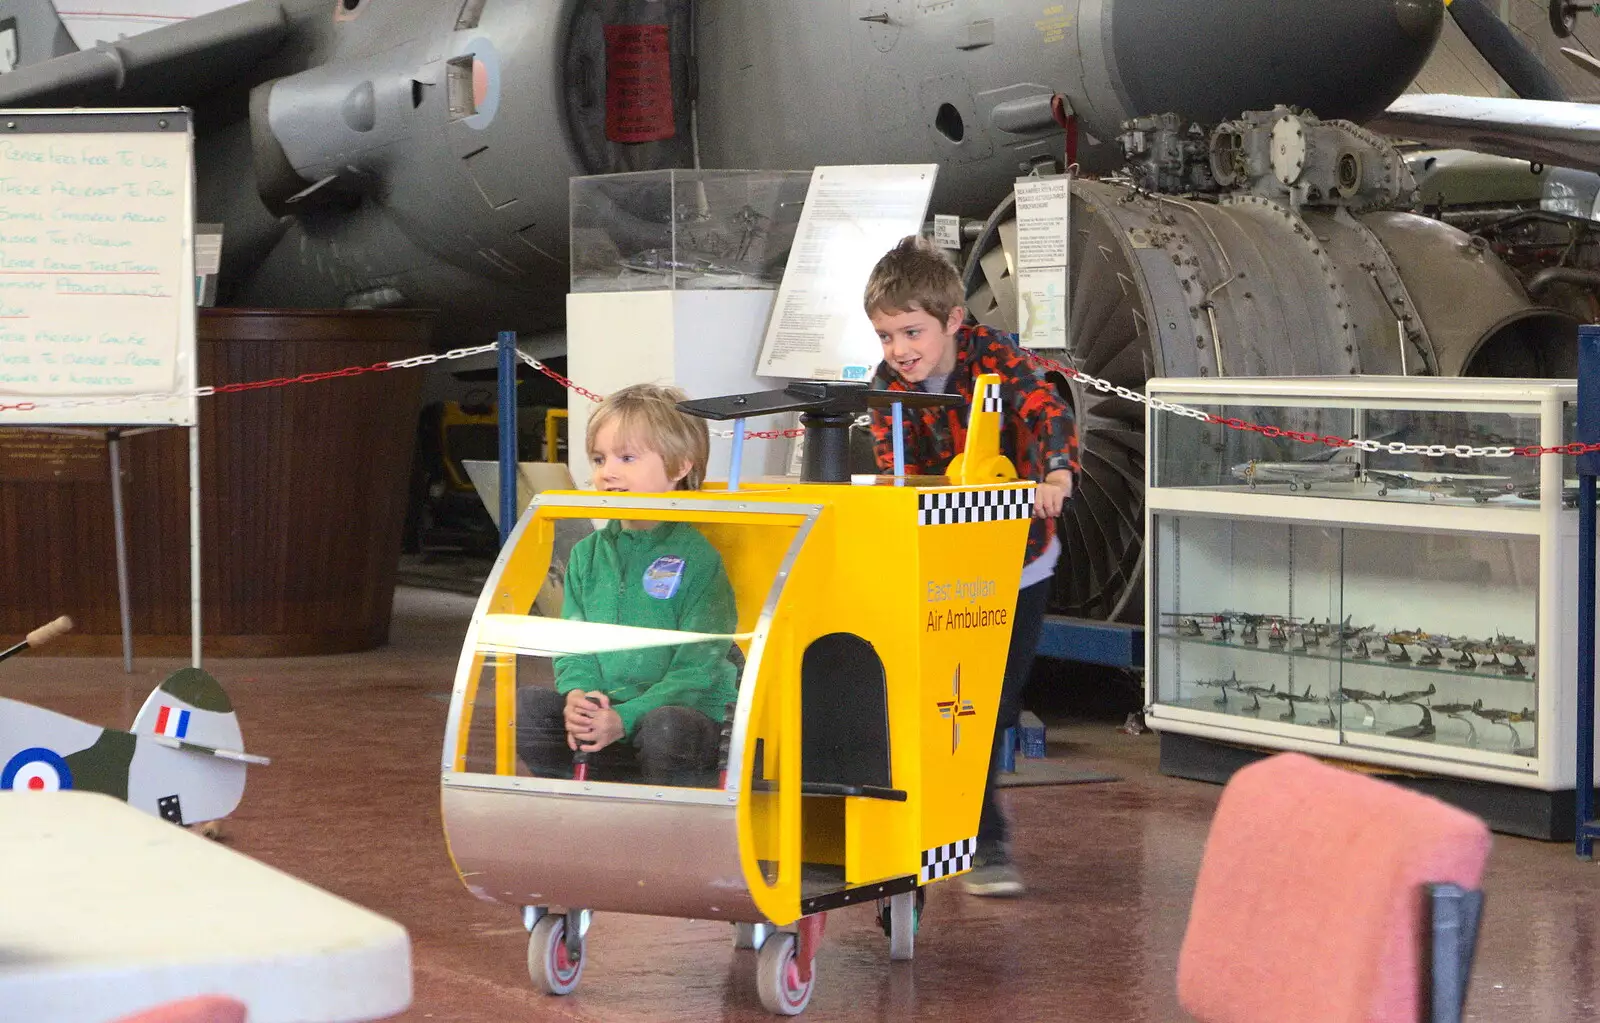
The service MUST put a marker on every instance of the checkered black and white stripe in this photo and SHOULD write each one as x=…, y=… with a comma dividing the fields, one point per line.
x=944, y=860
x=991, y=398
x=953, y=507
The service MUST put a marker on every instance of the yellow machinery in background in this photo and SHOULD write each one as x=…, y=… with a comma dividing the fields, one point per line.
x=466, y=431
x=554, y=440
x=873, y=626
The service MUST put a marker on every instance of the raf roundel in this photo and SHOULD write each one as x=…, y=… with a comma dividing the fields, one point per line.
x=36, y=770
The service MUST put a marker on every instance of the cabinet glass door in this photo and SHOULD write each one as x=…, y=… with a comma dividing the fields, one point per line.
x=1247, y=618
x=1443, y=656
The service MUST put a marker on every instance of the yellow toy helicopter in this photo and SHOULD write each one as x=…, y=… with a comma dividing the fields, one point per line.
x=873, y=625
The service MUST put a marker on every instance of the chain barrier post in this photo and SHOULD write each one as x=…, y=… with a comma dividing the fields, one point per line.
x=899, y=440
x=736, y=462
x=507, y=417
x=1588, y=466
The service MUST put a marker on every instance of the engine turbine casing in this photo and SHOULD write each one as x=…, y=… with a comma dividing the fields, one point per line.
x=1241, y=284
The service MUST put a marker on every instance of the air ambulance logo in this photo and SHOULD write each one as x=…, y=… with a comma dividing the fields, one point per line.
x=954, y=709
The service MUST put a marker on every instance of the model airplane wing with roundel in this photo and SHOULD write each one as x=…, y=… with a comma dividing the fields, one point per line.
x=183, y=761
x=43, y=751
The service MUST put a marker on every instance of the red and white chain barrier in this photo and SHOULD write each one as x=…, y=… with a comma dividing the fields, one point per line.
x=1303, y=437
x=1039, y=361
x=253, y=385
x=585, y=392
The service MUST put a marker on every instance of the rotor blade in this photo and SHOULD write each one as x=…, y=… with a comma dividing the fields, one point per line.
x=1583, y=60
x=981, y=305
x=1087, y=552
x=1005, y=283
x=1003, y=286
x=1076, y=555
x=1098, y=463
x=1132, y=439
x=1520, y=67
x=1126, y=366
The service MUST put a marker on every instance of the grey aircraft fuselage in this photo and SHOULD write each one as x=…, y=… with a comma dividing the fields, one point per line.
x=378, y=153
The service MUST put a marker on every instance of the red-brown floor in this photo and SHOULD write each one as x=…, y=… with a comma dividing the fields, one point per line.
x=351, y=801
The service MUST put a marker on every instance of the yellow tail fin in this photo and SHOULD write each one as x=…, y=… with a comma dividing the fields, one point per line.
x=981, y=461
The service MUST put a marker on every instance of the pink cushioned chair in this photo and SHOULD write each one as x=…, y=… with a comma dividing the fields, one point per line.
x=1327, y=896
x=204, y=1009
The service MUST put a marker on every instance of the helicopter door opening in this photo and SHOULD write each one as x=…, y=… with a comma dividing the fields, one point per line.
x=844, y=719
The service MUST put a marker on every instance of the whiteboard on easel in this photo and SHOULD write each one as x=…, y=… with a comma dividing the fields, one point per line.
x=97, y=284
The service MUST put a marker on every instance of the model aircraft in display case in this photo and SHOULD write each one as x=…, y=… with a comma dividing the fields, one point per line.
x=1351, y=642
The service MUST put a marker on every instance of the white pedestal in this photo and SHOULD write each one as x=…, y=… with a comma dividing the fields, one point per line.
x=706, y=342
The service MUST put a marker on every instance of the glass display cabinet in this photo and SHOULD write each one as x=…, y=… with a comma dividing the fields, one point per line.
x=684, y=229
x=1406, y=602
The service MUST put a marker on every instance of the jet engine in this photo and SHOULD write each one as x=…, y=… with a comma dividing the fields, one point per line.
x=1281, y=258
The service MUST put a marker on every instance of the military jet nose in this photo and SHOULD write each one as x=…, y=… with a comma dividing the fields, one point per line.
x=1211, y=62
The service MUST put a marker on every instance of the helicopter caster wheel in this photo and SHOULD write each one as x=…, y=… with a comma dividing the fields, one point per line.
x=900, y=921
x=748, y=937
x=550, y=966
x=778, y=976
x=210, y=829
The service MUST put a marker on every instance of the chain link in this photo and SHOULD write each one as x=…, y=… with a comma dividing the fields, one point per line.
x=557, y=377
x=208, y=390
x=576, y=388
x=761, y=434
x=1039, y=361
x=1332, y=441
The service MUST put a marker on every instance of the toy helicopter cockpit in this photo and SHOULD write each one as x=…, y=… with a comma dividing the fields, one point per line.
x=867, y=641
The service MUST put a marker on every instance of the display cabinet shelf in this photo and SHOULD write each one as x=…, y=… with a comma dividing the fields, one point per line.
x=1377, y=660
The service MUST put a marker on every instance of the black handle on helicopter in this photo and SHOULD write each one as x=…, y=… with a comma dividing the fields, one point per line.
x=826, y=412
x=39, y=637
x=580, y=757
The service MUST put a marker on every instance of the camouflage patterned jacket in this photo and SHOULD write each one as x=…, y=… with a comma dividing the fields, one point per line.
x=1038, y=436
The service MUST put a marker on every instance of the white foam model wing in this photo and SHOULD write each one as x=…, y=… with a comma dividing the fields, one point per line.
x=554, y=637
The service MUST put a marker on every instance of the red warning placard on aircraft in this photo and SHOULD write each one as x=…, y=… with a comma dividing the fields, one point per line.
x=638, y=84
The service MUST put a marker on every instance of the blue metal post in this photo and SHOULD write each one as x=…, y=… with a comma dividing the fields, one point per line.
x=737, y=460
x=899, y=442
x=507, y=416
x=1585, y=778
x=1588, y=465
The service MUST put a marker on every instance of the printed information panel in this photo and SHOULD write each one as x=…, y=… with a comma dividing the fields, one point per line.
x=853, y=215
x=1044, y=237
x=97, y=267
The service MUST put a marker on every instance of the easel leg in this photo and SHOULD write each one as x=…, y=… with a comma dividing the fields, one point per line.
x=194, y=543
x=114, y=443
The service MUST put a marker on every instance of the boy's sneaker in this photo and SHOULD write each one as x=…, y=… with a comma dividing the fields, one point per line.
x=992, y=874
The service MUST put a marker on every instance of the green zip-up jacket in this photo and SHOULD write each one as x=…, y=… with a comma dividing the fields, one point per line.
x=666, y=577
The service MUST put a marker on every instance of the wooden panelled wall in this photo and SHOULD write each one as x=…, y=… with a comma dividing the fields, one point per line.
x=303, y=492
